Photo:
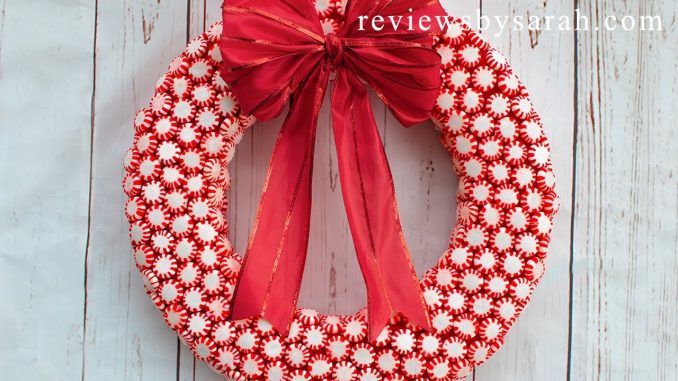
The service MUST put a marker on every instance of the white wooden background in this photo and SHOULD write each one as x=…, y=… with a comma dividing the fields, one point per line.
x=72, y=73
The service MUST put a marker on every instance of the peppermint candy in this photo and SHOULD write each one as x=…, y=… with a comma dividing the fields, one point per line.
x=177, y=183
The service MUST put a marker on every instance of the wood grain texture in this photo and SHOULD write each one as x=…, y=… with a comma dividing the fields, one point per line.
x=626, y=194
x=44, y=186
x=126, y=338
x=606, y=309
x=537, y=346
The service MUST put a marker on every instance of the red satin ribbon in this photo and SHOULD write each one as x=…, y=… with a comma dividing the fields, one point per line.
x=272, y=49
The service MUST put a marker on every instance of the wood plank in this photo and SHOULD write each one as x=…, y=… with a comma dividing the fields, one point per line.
x=212, y=11
x=196, y=18
x=45, y=102
x=126, y=336
x=625, y=235
x=536, y=347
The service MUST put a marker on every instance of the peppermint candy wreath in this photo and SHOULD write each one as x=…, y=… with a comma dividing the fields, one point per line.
x=177, y=183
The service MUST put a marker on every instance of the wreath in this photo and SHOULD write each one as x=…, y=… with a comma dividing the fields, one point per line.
x=240, y=316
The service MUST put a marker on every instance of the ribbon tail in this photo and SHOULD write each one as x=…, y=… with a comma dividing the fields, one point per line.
x=370, y=200
x=270, y=278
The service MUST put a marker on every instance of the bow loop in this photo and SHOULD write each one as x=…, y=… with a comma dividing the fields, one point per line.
x=406, y=78
x=267, y=56
x=396, y=61
x=272, y=49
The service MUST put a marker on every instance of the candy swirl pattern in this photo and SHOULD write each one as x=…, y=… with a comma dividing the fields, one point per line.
x=177, y=184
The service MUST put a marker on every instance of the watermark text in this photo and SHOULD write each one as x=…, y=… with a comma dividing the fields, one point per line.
x=500, y=24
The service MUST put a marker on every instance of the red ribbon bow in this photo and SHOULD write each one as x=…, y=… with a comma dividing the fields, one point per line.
x=273, y=49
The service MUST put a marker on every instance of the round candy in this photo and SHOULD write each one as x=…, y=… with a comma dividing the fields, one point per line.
x=177, y=183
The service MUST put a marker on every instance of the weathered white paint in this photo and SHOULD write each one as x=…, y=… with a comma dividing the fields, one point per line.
x=44, y=186
x=125, y=337
x=73, y=305
x=625, y=264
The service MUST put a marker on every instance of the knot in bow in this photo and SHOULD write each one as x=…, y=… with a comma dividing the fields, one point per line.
x=334, y=48
x=273, y=49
